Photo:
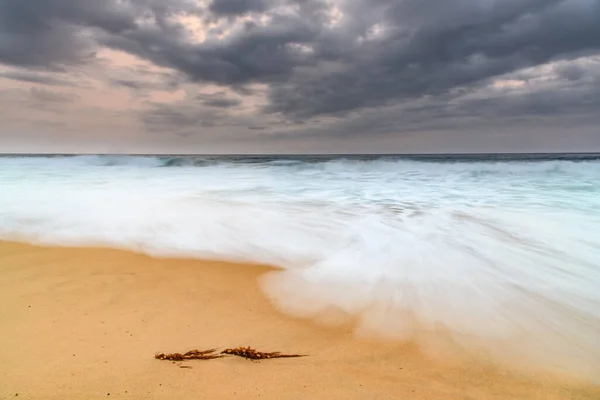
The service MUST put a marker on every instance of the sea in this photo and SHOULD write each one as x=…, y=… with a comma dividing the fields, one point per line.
x=499, y=254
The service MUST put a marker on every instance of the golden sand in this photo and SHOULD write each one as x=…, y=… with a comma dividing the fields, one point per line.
x=86, y=324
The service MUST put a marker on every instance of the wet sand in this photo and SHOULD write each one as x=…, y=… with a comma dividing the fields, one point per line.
x=85, y=324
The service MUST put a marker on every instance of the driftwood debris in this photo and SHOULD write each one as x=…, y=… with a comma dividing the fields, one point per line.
x=252, y=354
x=245, y=352
x=190, y=355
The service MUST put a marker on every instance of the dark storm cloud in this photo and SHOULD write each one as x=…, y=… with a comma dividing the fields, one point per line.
x=318, y=60
x=48, y=33
x=237, y=7
x=541, y=103
x=432, y=49
x=56, y=33
x=222, y=103
x=379, y=52
x=250, y=54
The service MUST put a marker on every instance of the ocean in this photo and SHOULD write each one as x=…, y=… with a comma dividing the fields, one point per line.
x=498, y=254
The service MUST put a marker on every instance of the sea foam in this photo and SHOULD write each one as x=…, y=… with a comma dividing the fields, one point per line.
x=497, y=257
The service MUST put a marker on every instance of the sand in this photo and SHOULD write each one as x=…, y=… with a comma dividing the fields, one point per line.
x=85, y=324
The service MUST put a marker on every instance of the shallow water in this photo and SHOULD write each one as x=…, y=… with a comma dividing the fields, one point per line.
x=502, y=255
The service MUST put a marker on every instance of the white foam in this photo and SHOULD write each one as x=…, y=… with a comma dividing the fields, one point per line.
x=502, y=257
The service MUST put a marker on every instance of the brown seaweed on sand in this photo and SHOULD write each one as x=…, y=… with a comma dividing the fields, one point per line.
x=190, y=355
x=252, y=354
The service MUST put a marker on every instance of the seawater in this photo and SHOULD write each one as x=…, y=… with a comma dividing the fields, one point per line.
x=500, y=255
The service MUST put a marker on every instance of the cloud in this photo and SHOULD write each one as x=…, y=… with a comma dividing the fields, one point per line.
x=151, y=82
x=184, y=119
x=192, y=115
x=377, y=53
x=53, y=34
x=387, y=65
x=47, y=96
x=49, y=34
x=52, y=101
x=219, y=100
x=30, y=104
x=237, y=7
x=421, y=52
x=164, y=117
x=35, y=77
x=535, y=99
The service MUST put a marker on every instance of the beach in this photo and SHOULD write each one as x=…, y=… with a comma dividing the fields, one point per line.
x=315, y=200
x=85, y=323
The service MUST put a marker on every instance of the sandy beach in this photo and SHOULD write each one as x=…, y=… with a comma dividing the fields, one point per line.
x=85, y=324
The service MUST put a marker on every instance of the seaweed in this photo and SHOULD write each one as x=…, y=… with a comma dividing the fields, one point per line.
x=252, y=354
x=190, y=355
x=245, y=352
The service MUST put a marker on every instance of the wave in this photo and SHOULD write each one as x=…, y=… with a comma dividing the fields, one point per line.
x=498, y=258
x=484, y=164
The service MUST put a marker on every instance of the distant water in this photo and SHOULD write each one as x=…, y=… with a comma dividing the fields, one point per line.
x=500, y=253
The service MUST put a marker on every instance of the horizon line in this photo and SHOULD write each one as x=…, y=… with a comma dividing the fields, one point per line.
x=303, y=154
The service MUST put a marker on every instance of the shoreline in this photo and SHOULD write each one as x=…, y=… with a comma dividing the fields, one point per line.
x=85, y=322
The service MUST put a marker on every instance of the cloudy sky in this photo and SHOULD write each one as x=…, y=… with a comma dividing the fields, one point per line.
x=303, y=76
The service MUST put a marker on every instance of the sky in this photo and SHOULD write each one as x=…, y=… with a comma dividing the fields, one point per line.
x=304, y=76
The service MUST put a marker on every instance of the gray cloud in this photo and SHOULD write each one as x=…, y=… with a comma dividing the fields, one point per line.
x=52, y=34
x=192, y=116
x=160, y=118
x=380, y=52
x=237, y=7
x=219, y=100
x=431, y=62
x=35, y=77
x=222, y=103
x=49, y=96
x=129, y=83
x=428, y=53
x=542, y=104
x=35, y=100
x=141, y=84
x=15, y=103
x=571, y=72
x=185, y=119
x=48, y=34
